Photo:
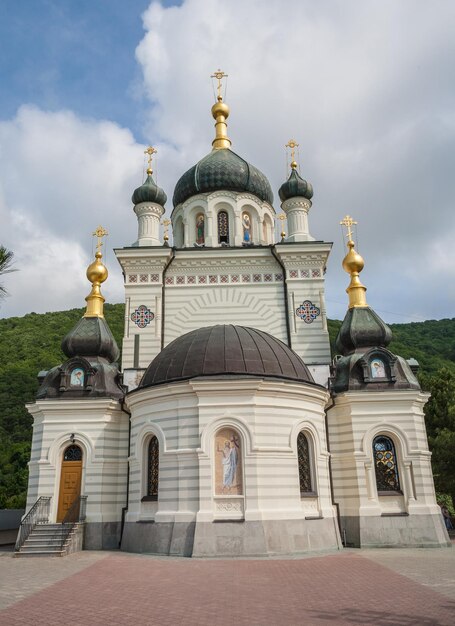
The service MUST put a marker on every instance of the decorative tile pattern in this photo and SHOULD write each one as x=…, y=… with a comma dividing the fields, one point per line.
x=279, y=278
x=308, y=312
x=246, y=278
x=180, y=280
x=304, y=273
x=142, y=316
x=191, y=280
x=235, y=278
x=257, y=278
x=132, y=278
x=143, y=278
x=224, y=278
x=267, y=278
x=202, y=280
x=293, y=274
x=169, y=280
x=213, y=279
x=154, y=278
x=315, y=273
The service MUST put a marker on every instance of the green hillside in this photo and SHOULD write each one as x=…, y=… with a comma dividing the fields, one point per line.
x=31, y=343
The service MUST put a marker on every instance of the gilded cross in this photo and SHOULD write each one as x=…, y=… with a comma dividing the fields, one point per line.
x=292, y=144
x=150, y=151
x=348, y=222
x=219, y=75
x=166, y=223
x=99, y=233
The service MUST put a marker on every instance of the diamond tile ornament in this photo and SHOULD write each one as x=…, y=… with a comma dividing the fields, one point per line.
x=308, y=312
x=142, y=316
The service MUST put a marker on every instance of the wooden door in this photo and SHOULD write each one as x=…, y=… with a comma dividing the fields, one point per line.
x=70, y=486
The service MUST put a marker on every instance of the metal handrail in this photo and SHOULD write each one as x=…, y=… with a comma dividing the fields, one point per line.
x=74, y=515
x=38, y=514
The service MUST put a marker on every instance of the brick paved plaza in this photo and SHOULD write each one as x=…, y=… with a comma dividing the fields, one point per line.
x=392, y=587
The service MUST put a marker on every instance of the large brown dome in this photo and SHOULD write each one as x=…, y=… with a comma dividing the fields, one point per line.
x=225, y=350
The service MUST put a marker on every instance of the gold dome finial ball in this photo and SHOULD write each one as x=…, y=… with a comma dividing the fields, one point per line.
x=220, y=108
x=97, y=271
x=353, y=262
x=294, y=165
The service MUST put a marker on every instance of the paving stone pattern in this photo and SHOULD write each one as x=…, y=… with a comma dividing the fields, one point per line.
x=118, y=588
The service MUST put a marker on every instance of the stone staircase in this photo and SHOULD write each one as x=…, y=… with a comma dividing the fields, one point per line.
x=46, y=540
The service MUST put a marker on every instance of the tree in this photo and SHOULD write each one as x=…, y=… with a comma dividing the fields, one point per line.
x=6, y=260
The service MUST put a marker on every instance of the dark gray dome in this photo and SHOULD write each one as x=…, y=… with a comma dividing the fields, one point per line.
x=222, y=169
x=91, y=337
x=295, y=187
x=149, y=192
x=225, y=350
x=362, y=328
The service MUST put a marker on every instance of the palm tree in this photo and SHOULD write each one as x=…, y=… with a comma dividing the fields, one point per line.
x=6, y=260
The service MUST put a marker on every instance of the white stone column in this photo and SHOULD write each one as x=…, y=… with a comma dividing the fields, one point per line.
x=296, y=210
x=148, y=218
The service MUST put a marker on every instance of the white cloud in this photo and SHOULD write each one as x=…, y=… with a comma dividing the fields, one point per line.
x=362, y=85
x=60, y=177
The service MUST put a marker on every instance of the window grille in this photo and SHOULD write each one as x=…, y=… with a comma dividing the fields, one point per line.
x=153, y=468
x=223, y=227
x=303, y=454
x=385, y=463
x=72, y=453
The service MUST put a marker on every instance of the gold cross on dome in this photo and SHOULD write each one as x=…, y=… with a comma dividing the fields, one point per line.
x=150, y=151
x=281, y=216
x=219, y=75
x=292, y=144
x=99, y=233
x=348, y=222
x=166, y=223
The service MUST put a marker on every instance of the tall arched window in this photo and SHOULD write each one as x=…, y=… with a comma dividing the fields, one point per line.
x=223, y=227
x=303, y=455
x=385, y=464
x=153, y=469
x=200, y=229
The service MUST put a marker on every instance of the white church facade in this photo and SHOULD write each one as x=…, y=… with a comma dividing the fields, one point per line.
x=229, y=430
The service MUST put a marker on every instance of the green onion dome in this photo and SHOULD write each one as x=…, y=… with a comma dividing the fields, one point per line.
x=222, y=169
x=149, y=192
x=295, y=187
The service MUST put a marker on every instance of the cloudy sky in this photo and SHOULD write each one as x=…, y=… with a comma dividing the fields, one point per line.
x=367, y=87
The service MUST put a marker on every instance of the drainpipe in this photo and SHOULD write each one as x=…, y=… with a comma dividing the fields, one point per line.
x=335, y=504
x=125, y=508
x=163, y=293
x=285, y=289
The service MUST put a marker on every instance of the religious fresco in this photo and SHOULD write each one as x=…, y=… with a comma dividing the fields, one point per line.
x=377, y=369
x=228, y=463
x=77, y=377
x=200, y=229
x=246, y=224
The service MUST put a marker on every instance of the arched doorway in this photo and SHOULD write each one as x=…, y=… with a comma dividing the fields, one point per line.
x=70, y=479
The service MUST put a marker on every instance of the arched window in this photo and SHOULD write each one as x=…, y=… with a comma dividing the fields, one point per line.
x=223, y=227
x=72, y=453
x=303, y=455
x=153, y=469
x=385, y=464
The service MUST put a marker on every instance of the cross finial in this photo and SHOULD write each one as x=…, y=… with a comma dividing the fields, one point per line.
x=348, y=222
x=219, y=75
x=292, y=144
x=282, y=217
x=150, y=151
x=99, y=233
x=166, y=223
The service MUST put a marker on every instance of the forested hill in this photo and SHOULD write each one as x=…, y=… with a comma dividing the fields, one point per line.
x=31, y=343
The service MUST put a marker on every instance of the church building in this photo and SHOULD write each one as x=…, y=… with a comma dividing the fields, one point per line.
x=229, y=430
